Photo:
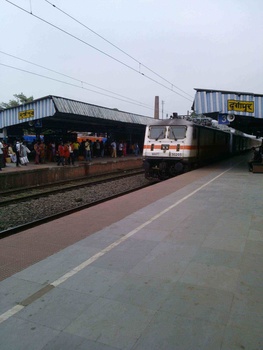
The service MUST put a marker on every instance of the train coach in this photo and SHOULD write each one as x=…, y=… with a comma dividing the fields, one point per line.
x=177, y=145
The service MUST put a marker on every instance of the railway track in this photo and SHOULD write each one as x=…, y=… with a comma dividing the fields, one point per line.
x=97, y=190
x=21, y=195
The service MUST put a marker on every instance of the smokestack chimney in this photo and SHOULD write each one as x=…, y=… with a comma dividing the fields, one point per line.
x=156, y=107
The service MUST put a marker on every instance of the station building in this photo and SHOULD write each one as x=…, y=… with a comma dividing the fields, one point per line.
x=242, y=111
x=61, y=119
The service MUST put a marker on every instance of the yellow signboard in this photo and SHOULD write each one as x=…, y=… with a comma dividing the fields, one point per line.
x=240, y=106
x=26, y=114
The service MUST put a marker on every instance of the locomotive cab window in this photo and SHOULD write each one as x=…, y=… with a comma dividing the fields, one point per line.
x=177, y=132
x=157, y=132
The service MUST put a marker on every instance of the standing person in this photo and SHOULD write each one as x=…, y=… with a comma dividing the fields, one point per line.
x=24, y=152
x=87, y=151
x=97, y=148
x=53, y=150
x=61, y=154
x=18, y=153
x=66, y=154
x=42, y=148
x=5, y=152
x=257, y=158
x=82, y=151
x=11, y=153
x=1, y=155
x=113, y=146
x=49, y=152
x=102, y=147
x=71, y=153
x=75, y=147
x=120, y=149
x=37, y=152
x=124, y=149
x=136, y=149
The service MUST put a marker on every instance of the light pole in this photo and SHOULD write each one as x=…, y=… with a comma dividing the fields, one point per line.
x=162, y=108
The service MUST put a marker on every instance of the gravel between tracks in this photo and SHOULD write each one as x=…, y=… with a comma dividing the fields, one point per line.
x=18, y=214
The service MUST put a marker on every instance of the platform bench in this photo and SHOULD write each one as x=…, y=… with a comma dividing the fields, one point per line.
x=258, y=168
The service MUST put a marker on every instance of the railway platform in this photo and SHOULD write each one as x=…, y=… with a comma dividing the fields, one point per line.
x=12, y=177
x=178, y=265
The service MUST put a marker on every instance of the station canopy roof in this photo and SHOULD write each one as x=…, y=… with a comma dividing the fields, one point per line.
x=57, y=113
x=241, y=110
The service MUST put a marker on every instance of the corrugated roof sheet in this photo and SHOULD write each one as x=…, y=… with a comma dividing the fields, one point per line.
x=49, y=105
x=43, y=108
x=81, y=108
x=210, y=101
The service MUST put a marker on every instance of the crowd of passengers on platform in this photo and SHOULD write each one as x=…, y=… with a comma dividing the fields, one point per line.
x=63, y=153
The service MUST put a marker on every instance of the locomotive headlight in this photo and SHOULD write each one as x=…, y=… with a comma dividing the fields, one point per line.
x=165, y=147
x=152, y=146
x=178, y=147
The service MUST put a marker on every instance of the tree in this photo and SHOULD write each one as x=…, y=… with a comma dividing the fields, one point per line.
x=20, y=100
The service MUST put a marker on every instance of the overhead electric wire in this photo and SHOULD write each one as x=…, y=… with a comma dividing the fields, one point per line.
x=118, y=48
x=64, y=82
x=81, y=81
x=83, y=41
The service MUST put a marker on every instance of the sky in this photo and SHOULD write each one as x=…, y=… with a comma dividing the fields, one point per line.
x=122, y=53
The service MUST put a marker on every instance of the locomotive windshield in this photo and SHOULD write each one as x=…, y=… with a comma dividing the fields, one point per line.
x=157, y=132
x=177, y=132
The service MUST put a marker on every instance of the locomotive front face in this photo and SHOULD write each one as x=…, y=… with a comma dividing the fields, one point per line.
x=165, y=141
x=166, y=149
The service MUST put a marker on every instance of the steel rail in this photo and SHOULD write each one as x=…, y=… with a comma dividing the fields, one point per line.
x=47, y=190
x=34, y=223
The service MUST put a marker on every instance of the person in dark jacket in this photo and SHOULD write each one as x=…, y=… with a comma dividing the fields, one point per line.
x=257, y=158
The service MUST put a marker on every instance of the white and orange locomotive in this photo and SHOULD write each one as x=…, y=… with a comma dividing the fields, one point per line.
x=176, y=145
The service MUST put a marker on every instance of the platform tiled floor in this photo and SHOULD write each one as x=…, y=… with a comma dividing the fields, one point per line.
x=184, y=272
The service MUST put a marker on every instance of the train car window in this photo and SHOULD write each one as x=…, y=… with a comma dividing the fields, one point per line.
x=177, y=132
x=157, y=132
